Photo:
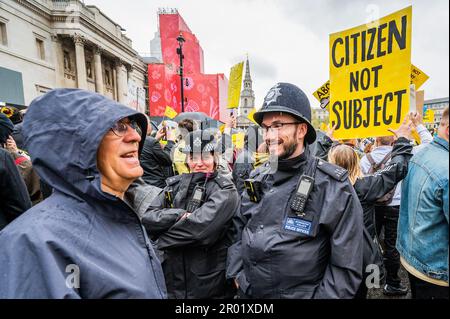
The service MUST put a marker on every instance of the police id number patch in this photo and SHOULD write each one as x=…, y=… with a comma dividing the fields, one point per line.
x=298, y=225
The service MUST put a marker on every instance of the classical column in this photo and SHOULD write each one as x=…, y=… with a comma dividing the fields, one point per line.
x=81, y=61
x=59, y=61
x=122, y=82
x=98, y=70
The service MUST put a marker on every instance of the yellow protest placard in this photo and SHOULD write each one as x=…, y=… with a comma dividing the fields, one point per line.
x=238, y=140
x=323, y=95
x=429, y=116
x=323, y=92
x=370, y=67
x=418, y=77
x=234, y=86
x=170, y=112
x=250, y=116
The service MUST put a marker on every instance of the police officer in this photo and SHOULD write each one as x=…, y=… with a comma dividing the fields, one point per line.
x=190, y=222
x=300, y=228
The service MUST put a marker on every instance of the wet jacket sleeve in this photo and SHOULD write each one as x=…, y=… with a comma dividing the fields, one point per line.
x=372, y=187
x=154, y=150
x=323, y=147
x=158, y=219
x=344, y=272
x=206, y=224
x=13, y=191
x=36, y=268
x=235, y=266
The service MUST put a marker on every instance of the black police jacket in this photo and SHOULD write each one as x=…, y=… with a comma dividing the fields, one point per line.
x=194, y=248
x=14, y=198
x=279, y=255
x=371, y=188
x=156, y=162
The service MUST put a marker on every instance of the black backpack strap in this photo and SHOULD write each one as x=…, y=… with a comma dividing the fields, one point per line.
x=386, y=159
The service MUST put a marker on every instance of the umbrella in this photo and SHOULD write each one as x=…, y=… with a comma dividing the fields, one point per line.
x=198, y=116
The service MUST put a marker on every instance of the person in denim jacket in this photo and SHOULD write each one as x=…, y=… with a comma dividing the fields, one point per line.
x=423, y=225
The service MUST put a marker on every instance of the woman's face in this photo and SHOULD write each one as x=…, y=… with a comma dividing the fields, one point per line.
x=201, y=162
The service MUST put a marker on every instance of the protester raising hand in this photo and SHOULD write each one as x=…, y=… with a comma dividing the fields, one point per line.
x=330, y=133
x=416, y=118
x=404, y=130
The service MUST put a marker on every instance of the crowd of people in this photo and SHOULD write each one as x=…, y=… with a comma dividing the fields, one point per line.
x=94, y=204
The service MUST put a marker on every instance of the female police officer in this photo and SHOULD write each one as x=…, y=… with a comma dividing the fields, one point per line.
x=190, y=221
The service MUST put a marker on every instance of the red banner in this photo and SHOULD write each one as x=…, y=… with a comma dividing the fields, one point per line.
x=201, y=91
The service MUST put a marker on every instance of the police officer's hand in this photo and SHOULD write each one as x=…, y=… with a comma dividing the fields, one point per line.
x=405, y=130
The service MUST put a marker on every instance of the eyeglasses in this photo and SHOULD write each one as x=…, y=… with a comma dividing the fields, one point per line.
x=277, y=126
x=121, y=127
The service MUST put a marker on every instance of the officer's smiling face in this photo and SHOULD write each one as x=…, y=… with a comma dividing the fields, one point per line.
x=201, y=162
x=284, y=135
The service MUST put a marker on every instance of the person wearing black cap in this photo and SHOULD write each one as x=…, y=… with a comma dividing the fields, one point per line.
x=14, y=198
x=190, y=223
x=299, y=232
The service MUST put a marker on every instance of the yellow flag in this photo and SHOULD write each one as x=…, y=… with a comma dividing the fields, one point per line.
x=234, y=86
x=250, y=115
x=170, y=112
x=418, y=77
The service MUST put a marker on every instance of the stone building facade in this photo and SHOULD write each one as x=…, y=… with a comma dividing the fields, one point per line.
x=65, y=43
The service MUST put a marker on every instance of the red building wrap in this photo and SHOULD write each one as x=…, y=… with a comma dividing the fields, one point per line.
x=201, y=91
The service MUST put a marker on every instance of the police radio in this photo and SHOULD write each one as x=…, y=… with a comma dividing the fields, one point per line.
x=301, y=195
x=253, y=190
x=196, y=200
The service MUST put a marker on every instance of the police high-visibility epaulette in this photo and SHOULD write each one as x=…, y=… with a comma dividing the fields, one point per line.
x=332, y=170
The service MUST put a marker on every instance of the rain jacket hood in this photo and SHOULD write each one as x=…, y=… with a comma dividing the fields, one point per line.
x=70, y=165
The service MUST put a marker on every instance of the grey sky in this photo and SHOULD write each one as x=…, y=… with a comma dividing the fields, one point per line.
x=287, y=40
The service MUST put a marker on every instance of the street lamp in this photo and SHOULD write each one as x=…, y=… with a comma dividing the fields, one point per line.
x=181, y=40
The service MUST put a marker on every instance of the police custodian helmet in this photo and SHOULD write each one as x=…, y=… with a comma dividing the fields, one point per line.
x=200, y=141
x=288, y=98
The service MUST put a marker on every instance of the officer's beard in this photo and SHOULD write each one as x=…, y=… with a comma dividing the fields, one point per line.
x=289, y=148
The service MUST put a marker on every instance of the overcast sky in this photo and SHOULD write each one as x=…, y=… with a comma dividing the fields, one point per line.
x=287, y=40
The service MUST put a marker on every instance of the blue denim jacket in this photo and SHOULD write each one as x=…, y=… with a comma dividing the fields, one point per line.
x=422, y=238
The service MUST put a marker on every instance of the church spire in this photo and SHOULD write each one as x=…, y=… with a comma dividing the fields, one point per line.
x=247, y=71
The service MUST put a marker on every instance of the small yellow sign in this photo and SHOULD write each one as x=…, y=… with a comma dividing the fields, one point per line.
x=323, y=93
x=418, y=77
x=170, y=112
x=429, y=116
x=238, y=140
x=234, y=86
